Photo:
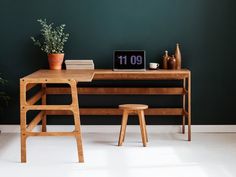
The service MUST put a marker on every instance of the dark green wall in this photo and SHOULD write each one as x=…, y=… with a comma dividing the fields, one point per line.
x=204, y=28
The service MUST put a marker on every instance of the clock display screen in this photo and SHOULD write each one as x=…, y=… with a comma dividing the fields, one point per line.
x=129, y=60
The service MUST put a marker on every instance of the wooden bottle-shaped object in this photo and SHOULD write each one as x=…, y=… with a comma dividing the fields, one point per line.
x=165, y=60
x=172, y=62
x=178, y=57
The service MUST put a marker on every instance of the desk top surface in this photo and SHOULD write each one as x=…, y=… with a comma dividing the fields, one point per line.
x=79, y=76
x=103, y=74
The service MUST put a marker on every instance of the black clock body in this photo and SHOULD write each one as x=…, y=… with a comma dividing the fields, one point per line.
x=129, y=60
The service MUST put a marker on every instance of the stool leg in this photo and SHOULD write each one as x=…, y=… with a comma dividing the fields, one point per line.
x=142, y=127
x=126, y=121
x=145, y=125
x=123, y=127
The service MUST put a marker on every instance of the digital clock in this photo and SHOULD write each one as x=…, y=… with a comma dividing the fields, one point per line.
x=129, y=60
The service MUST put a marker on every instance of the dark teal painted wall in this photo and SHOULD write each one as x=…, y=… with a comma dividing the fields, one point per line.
x=205, y=29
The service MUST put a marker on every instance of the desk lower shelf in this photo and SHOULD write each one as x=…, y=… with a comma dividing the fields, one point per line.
x=115, y=111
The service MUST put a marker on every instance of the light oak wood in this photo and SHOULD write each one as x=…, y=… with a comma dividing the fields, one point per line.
x=142, y=127
x=30, y=86
x=23, y=120
x=189, y=107
x=44, y=102
x=123, y=127
x=35, y=121
x=51, y=133
x=115, y=111
x=42, y=78
x=101, y=74
x=117, y=91
x=184, y=107
x=72, y=77
x=137, y=109
x=35, y=98
x=75, y=106
x=58, y=76
x=145, y=125
x=47, y=107
x=133, y=106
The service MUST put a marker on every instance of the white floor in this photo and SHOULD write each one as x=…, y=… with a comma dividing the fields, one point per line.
x=167, y=155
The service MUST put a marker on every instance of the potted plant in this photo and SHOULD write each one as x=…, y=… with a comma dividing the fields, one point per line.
x=52, y=42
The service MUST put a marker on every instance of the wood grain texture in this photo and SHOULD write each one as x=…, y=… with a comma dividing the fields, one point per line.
x=184, y=107
x=117, y=91
x=72, y=77
x=189, y=107
x=23, y=119
x=147, y=75
x=123, y=127
x=142, y=127
x=115, y=111
x=127, y=109
x=30, y=86
x=35, y=98
x=35, y=121
x=104, y=74
x=50, y=133
x=133, y=106
x=55, y=76
x=75, y=110
x=26, y=106
x=44, y=102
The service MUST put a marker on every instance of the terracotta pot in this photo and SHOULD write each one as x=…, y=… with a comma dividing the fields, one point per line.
x=55, y=61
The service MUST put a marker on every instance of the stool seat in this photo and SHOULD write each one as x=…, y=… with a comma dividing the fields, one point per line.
x=133, y=106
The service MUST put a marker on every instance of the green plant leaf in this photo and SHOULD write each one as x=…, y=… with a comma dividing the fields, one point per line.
x=52, y=39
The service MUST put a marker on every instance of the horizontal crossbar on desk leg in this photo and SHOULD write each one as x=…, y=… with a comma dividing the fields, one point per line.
x=51, y=133
x=115, y=91
x=116, y=111
x=48, y=107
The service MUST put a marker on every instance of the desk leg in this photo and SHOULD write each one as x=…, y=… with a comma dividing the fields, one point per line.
x=184, y=107
x=23, y=120
x=75, y=110
x=189, y=107
x=44, y=102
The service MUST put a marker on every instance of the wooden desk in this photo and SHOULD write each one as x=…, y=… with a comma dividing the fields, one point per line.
x=72, y=77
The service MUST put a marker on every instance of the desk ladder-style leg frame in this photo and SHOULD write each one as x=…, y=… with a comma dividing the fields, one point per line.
x=75, y=110
x=27, y=105
x=187, y=111
x=189, y=107
x=44, y=102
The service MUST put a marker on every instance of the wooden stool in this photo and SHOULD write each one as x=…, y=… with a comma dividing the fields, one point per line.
x=136, y=109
